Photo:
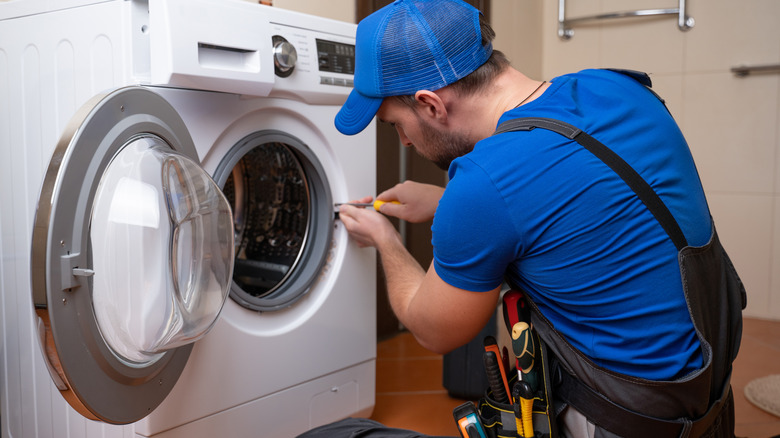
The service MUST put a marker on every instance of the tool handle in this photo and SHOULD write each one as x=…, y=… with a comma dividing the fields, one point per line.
x=378, y=204
x=524, y=409
x=491, y=345
x=525, y=350
x=527, y=408
x=515, y=309
x=495, y=379
x=523, y=346
x=517, y=408
x=468, y=421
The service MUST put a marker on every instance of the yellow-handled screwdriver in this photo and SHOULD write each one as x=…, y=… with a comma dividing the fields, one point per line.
x=524, y=407
x=376, y=204
x=524, y=347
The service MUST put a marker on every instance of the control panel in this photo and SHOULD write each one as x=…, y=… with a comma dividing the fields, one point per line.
x=335, y=57
x=316, y=65
x=249, y=49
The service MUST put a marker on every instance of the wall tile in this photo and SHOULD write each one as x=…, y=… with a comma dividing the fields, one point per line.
x=577, y=8
x=519, y=31
x=730, y=126
x=773, y=298
x=774, y=295
x=776, y=132
x=580, y=52
x=744, y=223
x=670, y=88
x=342, y=10
x=651, y=44
x=730, y=33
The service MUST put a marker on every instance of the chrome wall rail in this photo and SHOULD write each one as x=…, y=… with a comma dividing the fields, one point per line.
x=744, y=70
x=565, y=31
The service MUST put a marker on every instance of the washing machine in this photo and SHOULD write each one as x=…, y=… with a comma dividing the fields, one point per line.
x=172, y=265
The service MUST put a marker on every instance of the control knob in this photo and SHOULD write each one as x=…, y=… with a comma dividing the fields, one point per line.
x=285, y=56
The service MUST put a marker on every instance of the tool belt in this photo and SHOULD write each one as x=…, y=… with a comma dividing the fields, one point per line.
x=506, y=420
x=698, y=404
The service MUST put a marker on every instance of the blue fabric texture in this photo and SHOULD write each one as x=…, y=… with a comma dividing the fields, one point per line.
x=572, y=234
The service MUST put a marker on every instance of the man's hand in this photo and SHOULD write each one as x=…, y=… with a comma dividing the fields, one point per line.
x=418, y=201
x=441, y=317
x=367, y=227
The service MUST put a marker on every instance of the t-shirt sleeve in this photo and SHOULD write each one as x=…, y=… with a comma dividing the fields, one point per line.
x=473, y=239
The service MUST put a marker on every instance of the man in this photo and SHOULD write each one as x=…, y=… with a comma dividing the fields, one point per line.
x=537, y=208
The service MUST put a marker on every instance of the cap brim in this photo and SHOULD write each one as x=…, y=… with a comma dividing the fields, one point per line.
x=356, y=113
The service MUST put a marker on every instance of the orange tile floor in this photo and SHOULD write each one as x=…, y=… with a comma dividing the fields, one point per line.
x=410, y=395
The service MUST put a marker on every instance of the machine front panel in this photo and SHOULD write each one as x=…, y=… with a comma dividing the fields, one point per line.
x=326, y=319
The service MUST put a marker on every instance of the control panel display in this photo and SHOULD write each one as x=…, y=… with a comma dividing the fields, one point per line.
x=336, y=57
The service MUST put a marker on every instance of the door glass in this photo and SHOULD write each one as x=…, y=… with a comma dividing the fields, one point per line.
x=269, y=192
x=162, y=243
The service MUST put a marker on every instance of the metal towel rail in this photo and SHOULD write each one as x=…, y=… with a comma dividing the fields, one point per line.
x=744, y=70
x=684, y=22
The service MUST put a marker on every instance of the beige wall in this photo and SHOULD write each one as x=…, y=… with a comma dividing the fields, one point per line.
x=732, y=124
x=518, y=27
x=343, y=10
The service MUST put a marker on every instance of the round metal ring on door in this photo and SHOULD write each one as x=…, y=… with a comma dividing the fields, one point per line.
x=131, y=255
x=283, y=213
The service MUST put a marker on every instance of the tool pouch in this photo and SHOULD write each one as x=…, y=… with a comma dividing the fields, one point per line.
x=499, y=418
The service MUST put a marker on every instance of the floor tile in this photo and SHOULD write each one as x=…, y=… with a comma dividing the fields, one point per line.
x=409, y=375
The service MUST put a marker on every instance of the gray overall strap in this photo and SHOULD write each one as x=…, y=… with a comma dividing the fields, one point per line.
x=611, y=159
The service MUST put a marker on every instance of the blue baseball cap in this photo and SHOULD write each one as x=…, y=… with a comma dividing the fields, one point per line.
x=407, y=46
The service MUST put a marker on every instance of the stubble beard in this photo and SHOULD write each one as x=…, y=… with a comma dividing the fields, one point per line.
x=442, y=147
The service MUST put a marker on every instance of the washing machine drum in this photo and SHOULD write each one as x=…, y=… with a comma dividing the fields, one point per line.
x=283, y=219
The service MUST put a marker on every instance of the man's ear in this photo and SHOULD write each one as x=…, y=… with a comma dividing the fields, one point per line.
x=430, y=104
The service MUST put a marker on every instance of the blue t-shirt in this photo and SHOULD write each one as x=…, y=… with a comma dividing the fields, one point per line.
x=543, y=210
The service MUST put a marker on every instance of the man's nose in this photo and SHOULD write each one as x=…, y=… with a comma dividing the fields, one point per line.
x=403, y=138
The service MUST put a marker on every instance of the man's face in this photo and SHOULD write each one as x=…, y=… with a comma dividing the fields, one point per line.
x=437, y=145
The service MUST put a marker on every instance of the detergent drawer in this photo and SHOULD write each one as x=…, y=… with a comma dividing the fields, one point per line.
x=206, y=45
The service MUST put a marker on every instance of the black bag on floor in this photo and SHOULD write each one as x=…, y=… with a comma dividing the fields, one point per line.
x=463, y=372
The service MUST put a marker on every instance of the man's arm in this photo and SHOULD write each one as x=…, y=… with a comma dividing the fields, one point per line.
x=417, y=201
x=440, y=316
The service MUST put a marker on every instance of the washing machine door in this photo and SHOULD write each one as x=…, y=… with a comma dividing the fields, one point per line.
x=132, y=255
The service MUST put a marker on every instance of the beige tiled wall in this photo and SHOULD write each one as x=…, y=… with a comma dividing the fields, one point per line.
x=518, y=31
x=342, y=10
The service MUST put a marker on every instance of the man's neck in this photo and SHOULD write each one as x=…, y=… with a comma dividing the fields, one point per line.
x=480, y=112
